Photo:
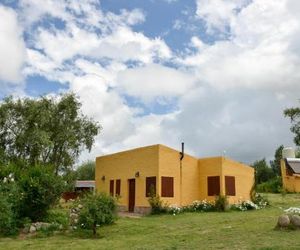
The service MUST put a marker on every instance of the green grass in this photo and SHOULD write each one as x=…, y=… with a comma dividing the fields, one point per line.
x=229, y=230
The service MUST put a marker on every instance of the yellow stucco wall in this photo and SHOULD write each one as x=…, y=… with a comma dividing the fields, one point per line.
x=289, y=183
x=123, y=166
x=221, y=166
x=244, y=179
x=169, y=165
x=209, y=167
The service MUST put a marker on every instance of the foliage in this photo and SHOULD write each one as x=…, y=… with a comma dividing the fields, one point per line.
x=69, y=176
x=86, y=171
x=97, y=210
x=8, y=220
x=294, y=115
x=157, y=205
x=44, y=131
x=9, y=205
x=275, y=164
x=41, y=188
x=244, y=206
x=273, y=185
x=57, y=217
x=259, y=202
x=221, y=203
x=263, y=172
x=202, y=206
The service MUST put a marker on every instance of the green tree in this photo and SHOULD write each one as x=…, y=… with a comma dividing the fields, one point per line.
x=294, y=115
x=86, y=171
x=97, y=210
x=47, y=131
x=275, y=164
x=263, y=172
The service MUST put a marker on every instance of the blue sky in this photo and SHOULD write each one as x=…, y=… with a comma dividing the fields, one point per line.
x=216, y=74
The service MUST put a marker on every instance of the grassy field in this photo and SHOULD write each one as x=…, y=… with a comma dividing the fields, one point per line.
x=230, y=230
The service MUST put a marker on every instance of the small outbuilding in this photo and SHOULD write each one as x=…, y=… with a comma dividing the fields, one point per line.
x=178, y=178
x=290, y=170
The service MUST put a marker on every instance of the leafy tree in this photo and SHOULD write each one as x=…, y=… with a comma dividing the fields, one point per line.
x=275, y=164
x=47, y=131
x=294, y=115
x=86, y=171
x=263, y=172
x=97, y=210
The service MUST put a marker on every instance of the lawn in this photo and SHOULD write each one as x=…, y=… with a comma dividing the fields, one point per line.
x=230, y=230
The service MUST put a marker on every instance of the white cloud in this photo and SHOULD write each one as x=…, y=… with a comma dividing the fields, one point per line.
x=218, y=13
x=12, y=48
x=154, y=80
x=257, y=55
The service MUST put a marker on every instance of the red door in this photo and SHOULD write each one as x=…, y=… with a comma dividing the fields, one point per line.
x=131, y=195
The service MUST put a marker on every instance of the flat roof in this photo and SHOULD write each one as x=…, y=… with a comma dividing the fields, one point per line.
x=89, y=184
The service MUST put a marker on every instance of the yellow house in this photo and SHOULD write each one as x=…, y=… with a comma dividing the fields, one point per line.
x=290, y=172
x=178, y=178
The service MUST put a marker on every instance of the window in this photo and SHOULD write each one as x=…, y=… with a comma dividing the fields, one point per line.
x=167, y=186
x=213, y=185
x=230, y=185
x=150, y=184
x=111, y=187
x=118, y=187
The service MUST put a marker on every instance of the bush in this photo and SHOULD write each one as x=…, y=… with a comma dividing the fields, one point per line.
x=57, y=218
x=201, y=206
x=157, y=205
x=271, y=186
x=221, y=203
x=260, y=201
x=97, y=210
x=41, y=188
x=8, y=224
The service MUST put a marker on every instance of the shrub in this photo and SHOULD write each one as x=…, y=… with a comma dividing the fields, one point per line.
x=261, y=201
x=157, y=205
x=258, y=202
x=221, y=203
x=9, y=205
x=201, y=206
x=8, y=225
x=41, y=188
x=97, y=210
x=273, y=185
x=244, y=206
x=57, y=218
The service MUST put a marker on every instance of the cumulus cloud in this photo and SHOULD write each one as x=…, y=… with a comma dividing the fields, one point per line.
x=218, y=14
x=258, y=53
x=154, y=80
x=12, y=48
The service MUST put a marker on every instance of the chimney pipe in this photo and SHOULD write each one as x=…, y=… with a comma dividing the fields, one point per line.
x=182, y=151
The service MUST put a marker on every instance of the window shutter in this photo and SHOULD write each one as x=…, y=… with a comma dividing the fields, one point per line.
x=150, y=183
x=118, y=187
x=230, y=185
x=167, y=186
x=111, y=187
x=213, y=185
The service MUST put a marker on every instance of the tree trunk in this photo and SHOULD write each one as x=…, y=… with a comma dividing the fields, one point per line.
x=94, y=229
